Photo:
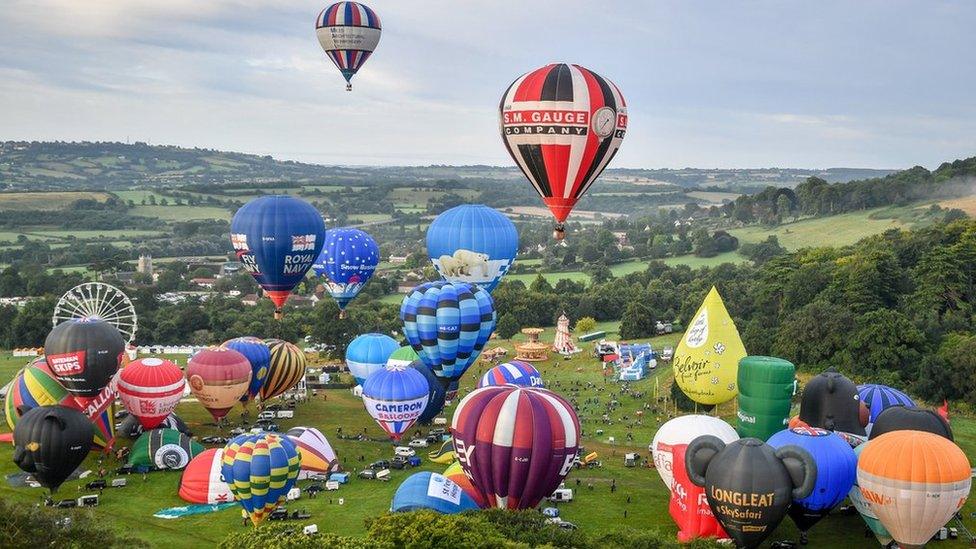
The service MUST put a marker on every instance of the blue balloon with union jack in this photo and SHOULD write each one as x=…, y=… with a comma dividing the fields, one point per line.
x=348, y=32
x=448, y=324
x=348, y=260
x=515, y=372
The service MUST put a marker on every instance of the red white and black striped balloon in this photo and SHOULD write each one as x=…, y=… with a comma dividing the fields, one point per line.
x=150, y=388
x=516, y=444
x=562, y=124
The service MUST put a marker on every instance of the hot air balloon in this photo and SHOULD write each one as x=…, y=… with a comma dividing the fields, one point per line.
x=163, y=449
x=836, y=472
x=515, y=372
x=150, y=389
x=766, y=389
x=84, y=354
x=36, y=385
x=901, y=418
x=472, y=243
x=448, y=324
x=317, y=455
x=218, y=378
x=395, y=396
x=260, y=469
x=287, y=368
x=914, y=482
x=131, y=427
x=864, y=508
x=516, y=444
x=688, y=505
x=201, y=482
x=680, y=431
x=749, y=484
x=880, y=397
x=402, y=356
x=257, y=353
x=830, y=401
x=706, y=361
x=456, y=474
x=348, y=32
x=277, y=238
x=368, y=353
x=436, y=395
x=50, y=442
x=562, y=124
x=432, y=491
x=347, y=261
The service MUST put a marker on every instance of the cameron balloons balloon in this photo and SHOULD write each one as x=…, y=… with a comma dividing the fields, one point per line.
x=901, y=418
x=472, y=243
x=402, y=356
x=679, y=432
x=260, y=469
x=456, y=473
x=50, y=442
x=317, y=455
x=514, y=372
x=163, y=449
x=436, y=396
x=448, y=324
x=432, y=491
x=562, y=124
x=836, y=472
x=347, y=261
x=395, y=396
x=766, y=388
x=277, y=238
x=368, y=353
x=830, y=401
x=150, y=389
x=133, y=429
x=864, y=507
x=84, y=354
x=749, y=485
x=914, y=482
x=877, y=398
x=258, y=354
x=348, y=32
x=201, y=482
x=218, y=378
x=286, y=369
x=516, y=444
x=706, y=361
x=688, y=505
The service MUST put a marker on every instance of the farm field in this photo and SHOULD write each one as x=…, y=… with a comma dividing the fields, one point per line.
x=53, y=235
x=966, y=204
x=838, y=230
x=47, y=200
x=181, y=213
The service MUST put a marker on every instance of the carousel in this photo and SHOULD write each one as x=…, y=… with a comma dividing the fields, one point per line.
x=532, y=350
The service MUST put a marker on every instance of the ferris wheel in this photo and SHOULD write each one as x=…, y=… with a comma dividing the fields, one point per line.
x=101, y=301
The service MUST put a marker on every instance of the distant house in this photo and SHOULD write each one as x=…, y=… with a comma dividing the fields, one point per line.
x=207, y=283
x=249, y=300
x=16, y=301
x=398, y=259
x=301, y=301
x=231, y=267
x=407, y=286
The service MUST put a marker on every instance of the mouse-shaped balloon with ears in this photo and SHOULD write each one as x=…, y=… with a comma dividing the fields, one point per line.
x=830, y=401
x=749, y=484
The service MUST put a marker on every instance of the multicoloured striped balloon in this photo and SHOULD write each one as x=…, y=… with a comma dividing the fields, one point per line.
x=516, y=444
x=317, y=455
x=515, y=372
x=256, y=351
x=260, y=469
x=448, y=324
x=880, y=397
x=218, y=378
x=348, y=32
x=287, y=368
x=395, y=396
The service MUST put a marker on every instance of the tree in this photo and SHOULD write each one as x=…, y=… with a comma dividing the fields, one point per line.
x=541, y=285
x=507, y=326
x=638, y=321
x=585, y=325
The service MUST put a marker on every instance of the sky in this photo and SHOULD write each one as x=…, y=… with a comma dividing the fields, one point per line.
x=880, y=84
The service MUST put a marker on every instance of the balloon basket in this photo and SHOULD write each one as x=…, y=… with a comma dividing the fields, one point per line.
x=278, y=314
x=342, y=314
x=348, y=87
x=559, y=231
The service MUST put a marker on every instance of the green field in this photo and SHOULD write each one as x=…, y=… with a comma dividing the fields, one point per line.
x=61, y=235
x=46, y=200
x=837, y=230
x=181, y=213
x=623, y=269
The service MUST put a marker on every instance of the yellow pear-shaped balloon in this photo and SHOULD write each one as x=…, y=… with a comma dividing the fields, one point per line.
x=706, y=362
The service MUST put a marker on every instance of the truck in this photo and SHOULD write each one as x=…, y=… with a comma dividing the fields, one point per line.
x=562, y=494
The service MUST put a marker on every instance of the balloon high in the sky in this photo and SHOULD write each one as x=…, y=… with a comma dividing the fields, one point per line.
x=286, y=369
x=516, y=444
x=260, y=469
x=766, y=388
x=515, y=372
x=257, y=353
x=395, y=396
x=880, y=397
x=348, y=32
x=277, y=238
x=472, y=243
x=448, y=324
x=348, y=260
x=84, y=354
x=706, y=361
x=50, y=442
x=150, y=388
x=562, y=124
x=218, y=377
x=368, y=353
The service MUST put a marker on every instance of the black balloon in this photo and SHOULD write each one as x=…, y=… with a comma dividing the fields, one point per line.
x=131, y=427
x=50, y=442
x=830, y=402
x=84, y=354
x=905, y=418
x=749, y=484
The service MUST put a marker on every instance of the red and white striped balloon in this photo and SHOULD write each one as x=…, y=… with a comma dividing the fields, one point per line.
x=516, y=444
x=150, y=388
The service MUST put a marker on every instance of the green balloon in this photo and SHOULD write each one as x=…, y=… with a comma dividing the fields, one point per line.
x=766, y=388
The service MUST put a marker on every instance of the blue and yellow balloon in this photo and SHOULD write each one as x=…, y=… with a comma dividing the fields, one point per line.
x=260, y=470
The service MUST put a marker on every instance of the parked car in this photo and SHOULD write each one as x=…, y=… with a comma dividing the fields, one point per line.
x=404, y=451
x=273, y=408
x=121, y=414
x=437, y=432
x=267, y=426
x=236, y=431
x=381, y=464
x=367, y=474
x=119, y=482
x=267, y=414
x=96, y=485
x=314, y=488
x=66, y=503
x=278, y=514
x=214, y=440
x=399, y=462
x=433, y=439
x=124, y=470
x=419, y=443
x=321, y=477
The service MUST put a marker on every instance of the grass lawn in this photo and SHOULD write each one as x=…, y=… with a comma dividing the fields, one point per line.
x=837, y=230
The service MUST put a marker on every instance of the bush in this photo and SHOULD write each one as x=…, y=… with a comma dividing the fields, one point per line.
x=585, y=325
x=28, y=526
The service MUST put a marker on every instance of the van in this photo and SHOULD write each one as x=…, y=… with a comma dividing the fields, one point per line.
x=440, y=421
x=267, y=414
x=294, y=493
x=90, y=500
x=118, y=482
x=332, y=485
x=383, y=475
x=562, y=494
x=286, y=414
x=404, y=451
x=311, y=530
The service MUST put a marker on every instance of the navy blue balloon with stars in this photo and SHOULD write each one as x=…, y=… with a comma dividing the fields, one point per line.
x=348, y=260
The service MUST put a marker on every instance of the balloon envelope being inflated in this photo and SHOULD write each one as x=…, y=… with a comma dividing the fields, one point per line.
x=902, y=418
x=432, y=491
x=830, y=401
x=368, y=353
x=201, y=481
x=84, y=354
x=50, y=442
x=286, y=369
x=218, y=378
x=472, y=243
x=766, y=388
x=706, y=361
x=680, y=431
x=348, y=260
x=864, y=507
x=514, y=372
x=150, y=388
x=402, y=356
x=163, y=449
x=317, y=455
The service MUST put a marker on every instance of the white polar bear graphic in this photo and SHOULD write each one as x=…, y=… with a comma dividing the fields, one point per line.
x=464, y=263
